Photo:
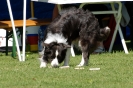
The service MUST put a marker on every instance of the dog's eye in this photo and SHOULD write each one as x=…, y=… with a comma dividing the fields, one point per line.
x=47, y=48
x=47, y=52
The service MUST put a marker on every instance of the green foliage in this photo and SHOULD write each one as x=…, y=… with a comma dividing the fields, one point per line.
x=116, y=71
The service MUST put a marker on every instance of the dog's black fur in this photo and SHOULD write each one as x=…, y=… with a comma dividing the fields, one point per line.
x=73, y=23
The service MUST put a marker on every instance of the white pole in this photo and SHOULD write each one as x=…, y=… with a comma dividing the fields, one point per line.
x=14, y=31
x=24, y=28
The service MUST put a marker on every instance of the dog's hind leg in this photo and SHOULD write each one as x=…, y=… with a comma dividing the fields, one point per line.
x=85, y=53
x=67, y=57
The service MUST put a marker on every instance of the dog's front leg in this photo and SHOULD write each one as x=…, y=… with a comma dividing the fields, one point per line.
x=43, y=64
x=84, y=60
x=67, y=57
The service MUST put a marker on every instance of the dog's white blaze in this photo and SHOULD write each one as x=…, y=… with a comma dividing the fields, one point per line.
x=54, y=62
x=56, y=53
x=55, y=38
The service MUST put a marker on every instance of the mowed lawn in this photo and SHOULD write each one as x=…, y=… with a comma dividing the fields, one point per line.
x=116, y=71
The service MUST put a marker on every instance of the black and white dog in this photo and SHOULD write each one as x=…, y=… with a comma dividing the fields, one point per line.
x=71, y=24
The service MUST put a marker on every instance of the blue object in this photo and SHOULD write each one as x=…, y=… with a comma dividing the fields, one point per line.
x=127, y=31
x=40, y=38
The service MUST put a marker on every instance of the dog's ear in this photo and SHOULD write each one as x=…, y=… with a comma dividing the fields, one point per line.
x=47, y=48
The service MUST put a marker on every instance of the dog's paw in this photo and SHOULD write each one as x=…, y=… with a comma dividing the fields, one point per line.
x=43, y=65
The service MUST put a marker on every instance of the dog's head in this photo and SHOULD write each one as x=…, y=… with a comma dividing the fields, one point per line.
x=54, y=53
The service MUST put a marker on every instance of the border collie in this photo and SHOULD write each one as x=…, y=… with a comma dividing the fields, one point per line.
x=71, y=24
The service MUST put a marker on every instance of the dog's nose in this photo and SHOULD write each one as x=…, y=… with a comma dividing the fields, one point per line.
x=55, y=66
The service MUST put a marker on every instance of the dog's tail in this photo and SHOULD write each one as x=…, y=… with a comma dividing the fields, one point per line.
x=104, y=33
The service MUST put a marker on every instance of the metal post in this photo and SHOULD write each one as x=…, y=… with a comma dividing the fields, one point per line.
x=24, y=30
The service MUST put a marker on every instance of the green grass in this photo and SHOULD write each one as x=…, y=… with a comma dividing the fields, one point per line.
x=116, y=71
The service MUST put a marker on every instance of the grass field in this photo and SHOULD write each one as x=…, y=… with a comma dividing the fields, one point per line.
x=116, y=71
